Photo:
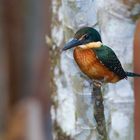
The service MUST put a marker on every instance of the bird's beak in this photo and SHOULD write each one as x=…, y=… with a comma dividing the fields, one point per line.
x=72, y=43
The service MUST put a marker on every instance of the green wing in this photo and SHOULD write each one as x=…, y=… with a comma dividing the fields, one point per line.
x=107, y=56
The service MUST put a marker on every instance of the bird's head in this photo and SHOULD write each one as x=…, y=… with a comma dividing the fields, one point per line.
x=85, y=35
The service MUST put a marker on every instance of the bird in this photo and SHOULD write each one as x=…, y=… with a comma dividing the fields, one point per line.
x=96, y=60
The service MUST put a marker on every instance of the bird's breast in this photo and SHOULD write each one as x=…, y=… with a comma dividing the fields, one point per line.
x=92, y=66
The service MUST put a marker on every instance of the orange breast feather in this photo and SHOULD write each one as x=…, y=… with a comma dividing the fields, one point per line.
x=92, y=67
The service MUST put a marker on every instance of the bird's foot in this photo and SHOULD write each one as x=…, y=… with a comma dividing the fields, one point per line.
x=97, y=83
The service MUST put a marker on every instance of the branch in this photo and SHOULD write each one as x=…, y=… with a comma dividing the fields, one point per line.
x=99, y=112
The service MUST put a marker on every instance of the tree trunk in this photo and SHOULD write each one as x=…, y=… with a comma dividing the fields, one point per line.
x=72, y=110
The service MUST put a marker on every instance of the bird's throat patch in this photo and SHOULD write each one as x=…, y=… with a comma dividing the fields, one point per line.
x=91, y=45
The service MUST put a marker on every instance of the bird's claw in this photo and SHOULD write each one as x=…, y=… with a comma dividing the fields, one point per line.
x=97, y=83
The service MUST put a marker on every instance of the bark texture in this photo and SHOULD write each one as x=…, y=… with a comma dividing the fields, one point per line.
x=99, y=112
x=72, y=111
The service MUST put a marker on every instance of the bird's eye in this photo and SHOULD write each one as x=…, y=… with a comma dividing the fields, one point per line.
x=86, y=36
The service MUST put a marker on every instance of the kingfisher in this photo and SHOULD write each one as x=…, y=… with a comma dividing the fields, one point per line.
x=96, y=60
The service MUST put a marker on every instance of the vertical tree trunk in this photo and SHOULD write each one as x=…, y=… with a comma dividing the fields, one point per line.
x=117, y=21
x=137, y=81
x=72, y=110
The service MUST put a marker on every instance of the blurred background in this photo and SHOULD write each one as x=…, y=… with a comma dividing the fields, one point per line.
x=24, y=71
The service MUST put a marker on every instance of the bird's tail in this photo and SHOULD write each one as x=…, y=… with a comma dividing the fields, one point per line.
x=131, y=74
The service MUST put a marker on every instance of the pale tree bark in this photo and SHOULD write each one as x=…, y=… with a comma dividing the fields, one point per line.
x=72, y=110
